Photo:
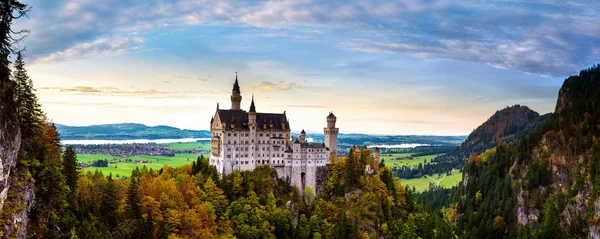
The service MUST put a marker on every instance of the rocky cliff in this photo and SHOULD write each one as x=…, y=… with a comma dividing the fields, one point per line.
x=10, y=137
x=10, y=142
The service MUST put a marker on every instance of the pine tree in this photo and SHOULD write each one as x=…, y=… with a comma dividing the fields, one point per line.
x=149, y=232
x=71, y=169
x=350, y=175
x=133, y=206
x=109, y=204
x=26, y=100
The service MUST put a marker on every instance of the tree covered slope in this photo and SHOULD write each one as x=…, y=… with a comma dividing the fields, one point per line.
x=547, y=184
x=506, y=125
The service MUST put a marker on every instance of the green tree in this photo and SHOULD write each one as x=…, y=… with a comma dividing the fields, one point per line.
x=109, y=204
x=71, y=169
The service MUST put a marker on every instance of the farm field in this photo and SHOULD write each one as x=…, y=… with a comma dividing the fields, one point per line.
x=188, y=145
x=422, y=184
x=414, y=162
x=124, y=168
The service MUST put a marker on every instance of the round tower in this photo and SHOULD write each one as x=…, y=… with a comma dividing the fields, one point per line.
x=303, y=136
x=331, y=133
x=236, y=95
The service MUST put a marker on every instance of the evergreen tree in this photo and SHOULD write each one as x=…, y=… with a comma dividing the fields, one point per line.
x=133, y=207
x=28, y=107
x=109, y=204
x=350, y=176
x=71, y=169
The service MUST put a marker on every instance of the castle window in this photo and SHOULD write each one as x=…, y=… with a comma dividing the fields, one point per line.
x=260, y=135
x=235, y=134
x=228, y=134
x=268, y=135
x=280, y=135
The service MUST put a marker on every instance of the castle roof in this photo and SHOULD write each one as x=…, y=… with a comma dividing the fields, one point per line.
x=236, y=85
x=331, y=115
x=239, y=119
x=303, y=132
x=252, y=107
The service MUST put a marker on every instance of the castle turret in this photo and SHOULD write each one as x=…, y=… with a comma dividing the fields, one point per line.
x=331, y=133
x=302, y=136
x=236, y=96
x=252, y=116
x=376, y=159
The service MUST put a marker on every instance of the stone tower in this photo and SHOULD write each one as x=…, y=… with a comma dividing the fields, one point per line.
x=236, y=96
x=302, y=136
x=331, y=134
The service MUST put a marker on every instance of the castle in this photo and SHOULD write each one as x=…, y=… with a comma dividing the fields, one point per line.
x=244, y=140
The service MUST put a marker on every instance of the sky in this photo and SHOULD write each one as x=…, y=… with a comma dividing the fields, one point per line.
x=427, y=67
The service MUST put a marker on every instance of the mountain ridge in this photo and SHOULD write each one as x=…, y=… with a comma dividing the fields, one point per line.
x=505, y=125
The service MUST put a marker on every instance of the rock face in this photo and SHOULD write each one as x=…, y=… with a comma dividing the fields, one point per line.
x=10, y=137
x=10, y=142
x=323, y=173
x=23, y=195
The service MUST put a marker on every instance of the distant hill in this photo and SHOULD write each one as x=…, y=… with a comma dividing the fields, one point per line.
x=140, y=131
x=506, y=125
x=127, y=131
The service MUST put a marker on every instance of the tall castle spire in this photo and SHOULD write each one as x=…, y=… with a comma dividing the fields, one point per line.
x=252, y=107
x=236, y=96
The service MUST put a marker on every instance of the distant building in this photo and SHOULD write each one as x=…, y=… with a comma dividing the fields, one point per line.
x=244, y=140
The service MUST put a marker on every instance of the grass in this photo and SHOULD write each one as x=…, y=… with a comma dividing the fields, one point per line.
x=422, y=184
x=393, y=156
x=414, y=162
x=124, y=167
x=188, y=145
x=88, y=158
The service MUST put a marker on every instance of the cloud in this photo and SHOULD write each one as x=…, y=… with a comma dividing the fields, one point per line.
x=301, y=106
x=98, y=47
x=270, y=86
x=192, y=78
x=549, y=37
x=115, y=91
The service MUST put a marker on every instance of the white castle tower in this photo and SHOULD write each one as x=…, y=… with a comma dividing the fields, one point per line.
x=331, y=134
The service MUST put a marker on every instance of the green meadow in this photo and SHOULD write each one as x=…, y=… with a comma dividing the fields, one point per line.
x=122, y=166
x=393, y=161
x=422, y=184
x=188, y=146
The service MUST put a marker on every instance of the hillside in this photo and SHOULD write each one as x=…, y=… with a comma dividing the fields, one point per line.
x=127, y=131
x=506, y=125
x=547, y=184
